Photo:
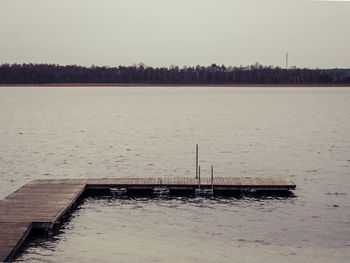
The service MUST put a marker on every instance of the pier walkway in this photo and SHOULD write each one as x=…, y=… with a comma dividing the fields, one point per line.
x=41, y=204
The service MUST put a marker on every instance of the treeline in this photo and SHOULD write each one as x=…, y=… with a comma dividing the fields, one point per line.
x=141, y=74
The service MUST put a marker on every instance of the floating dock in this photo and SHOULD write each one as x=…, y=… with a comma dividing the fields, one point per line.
x=41, y=204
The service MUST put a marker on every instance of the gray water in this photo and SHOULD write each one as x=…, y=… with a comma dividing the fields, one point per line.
x=297, y=133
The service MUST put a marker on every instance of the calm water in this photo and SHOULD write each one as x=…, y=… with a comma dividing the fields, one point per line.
x=299, y=133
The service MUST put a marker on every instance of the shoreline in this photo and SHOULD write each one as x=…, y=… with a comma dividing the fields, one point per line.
x=170, y=85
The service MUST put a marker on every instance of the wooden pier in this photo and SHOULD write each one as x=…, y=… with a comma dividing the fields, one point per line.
x=41, y=204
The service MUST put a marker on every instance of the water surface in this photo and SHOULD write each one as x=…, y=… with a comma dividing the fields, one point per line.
x=298, y=133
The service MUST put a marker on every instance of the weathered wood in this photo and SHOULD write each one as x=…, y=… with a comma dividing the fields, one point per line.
x=42, y=203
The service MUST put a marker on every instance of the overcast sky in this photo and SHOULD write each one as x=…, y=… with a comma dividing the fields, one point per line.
x=176, y=32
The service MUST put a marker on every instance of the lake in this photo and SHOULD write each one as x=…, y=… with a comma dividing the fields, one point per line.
x=95, y=132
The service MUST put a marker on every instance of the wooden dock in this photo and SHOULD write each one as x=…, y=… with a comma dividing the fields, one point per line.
x=41, y=204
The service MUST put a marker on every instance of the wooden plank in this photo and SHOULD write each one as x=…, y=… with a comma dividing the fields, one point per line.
x=67, y=206
x=11, y=238
x=219, y=181
x=38, y=201
x=275, y=181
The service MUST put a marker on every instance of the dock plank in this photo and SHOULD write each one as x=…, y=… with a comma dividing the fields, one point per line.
x=37, y=201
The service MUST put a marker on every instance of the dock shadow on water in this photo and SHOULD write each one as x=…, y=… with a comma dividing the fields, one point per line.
x=148, y=217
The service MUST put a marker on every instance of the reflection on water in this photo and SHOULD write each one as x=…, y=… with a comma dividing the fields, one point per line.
x=299, y=133
x=183, y=229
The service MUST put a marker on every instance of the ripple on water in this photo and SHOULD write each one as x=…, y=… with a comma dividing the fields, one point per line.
x=98, y=132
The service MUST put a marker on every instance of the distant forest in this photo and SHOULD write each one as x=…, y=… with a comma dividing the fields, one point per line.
x=141, y=74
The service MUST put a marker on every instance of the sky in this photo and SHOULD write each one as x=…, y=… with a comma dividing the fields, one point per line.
x=315, y=34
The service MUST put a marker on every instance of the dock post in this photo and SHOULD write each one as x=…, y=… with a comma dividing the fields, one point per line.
x=199, y=178
x=196, y=161
x=212, y=179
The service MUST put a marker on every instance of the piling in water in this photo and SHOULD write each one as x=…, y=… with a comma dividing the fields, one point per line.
x=199, y=178
x=212, y=179
x=196, y=161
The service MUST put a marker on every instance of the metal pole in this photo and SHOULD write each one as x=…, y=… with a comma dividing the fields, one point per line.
x=212, y=178
x=199, y=178
x=196, y=161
